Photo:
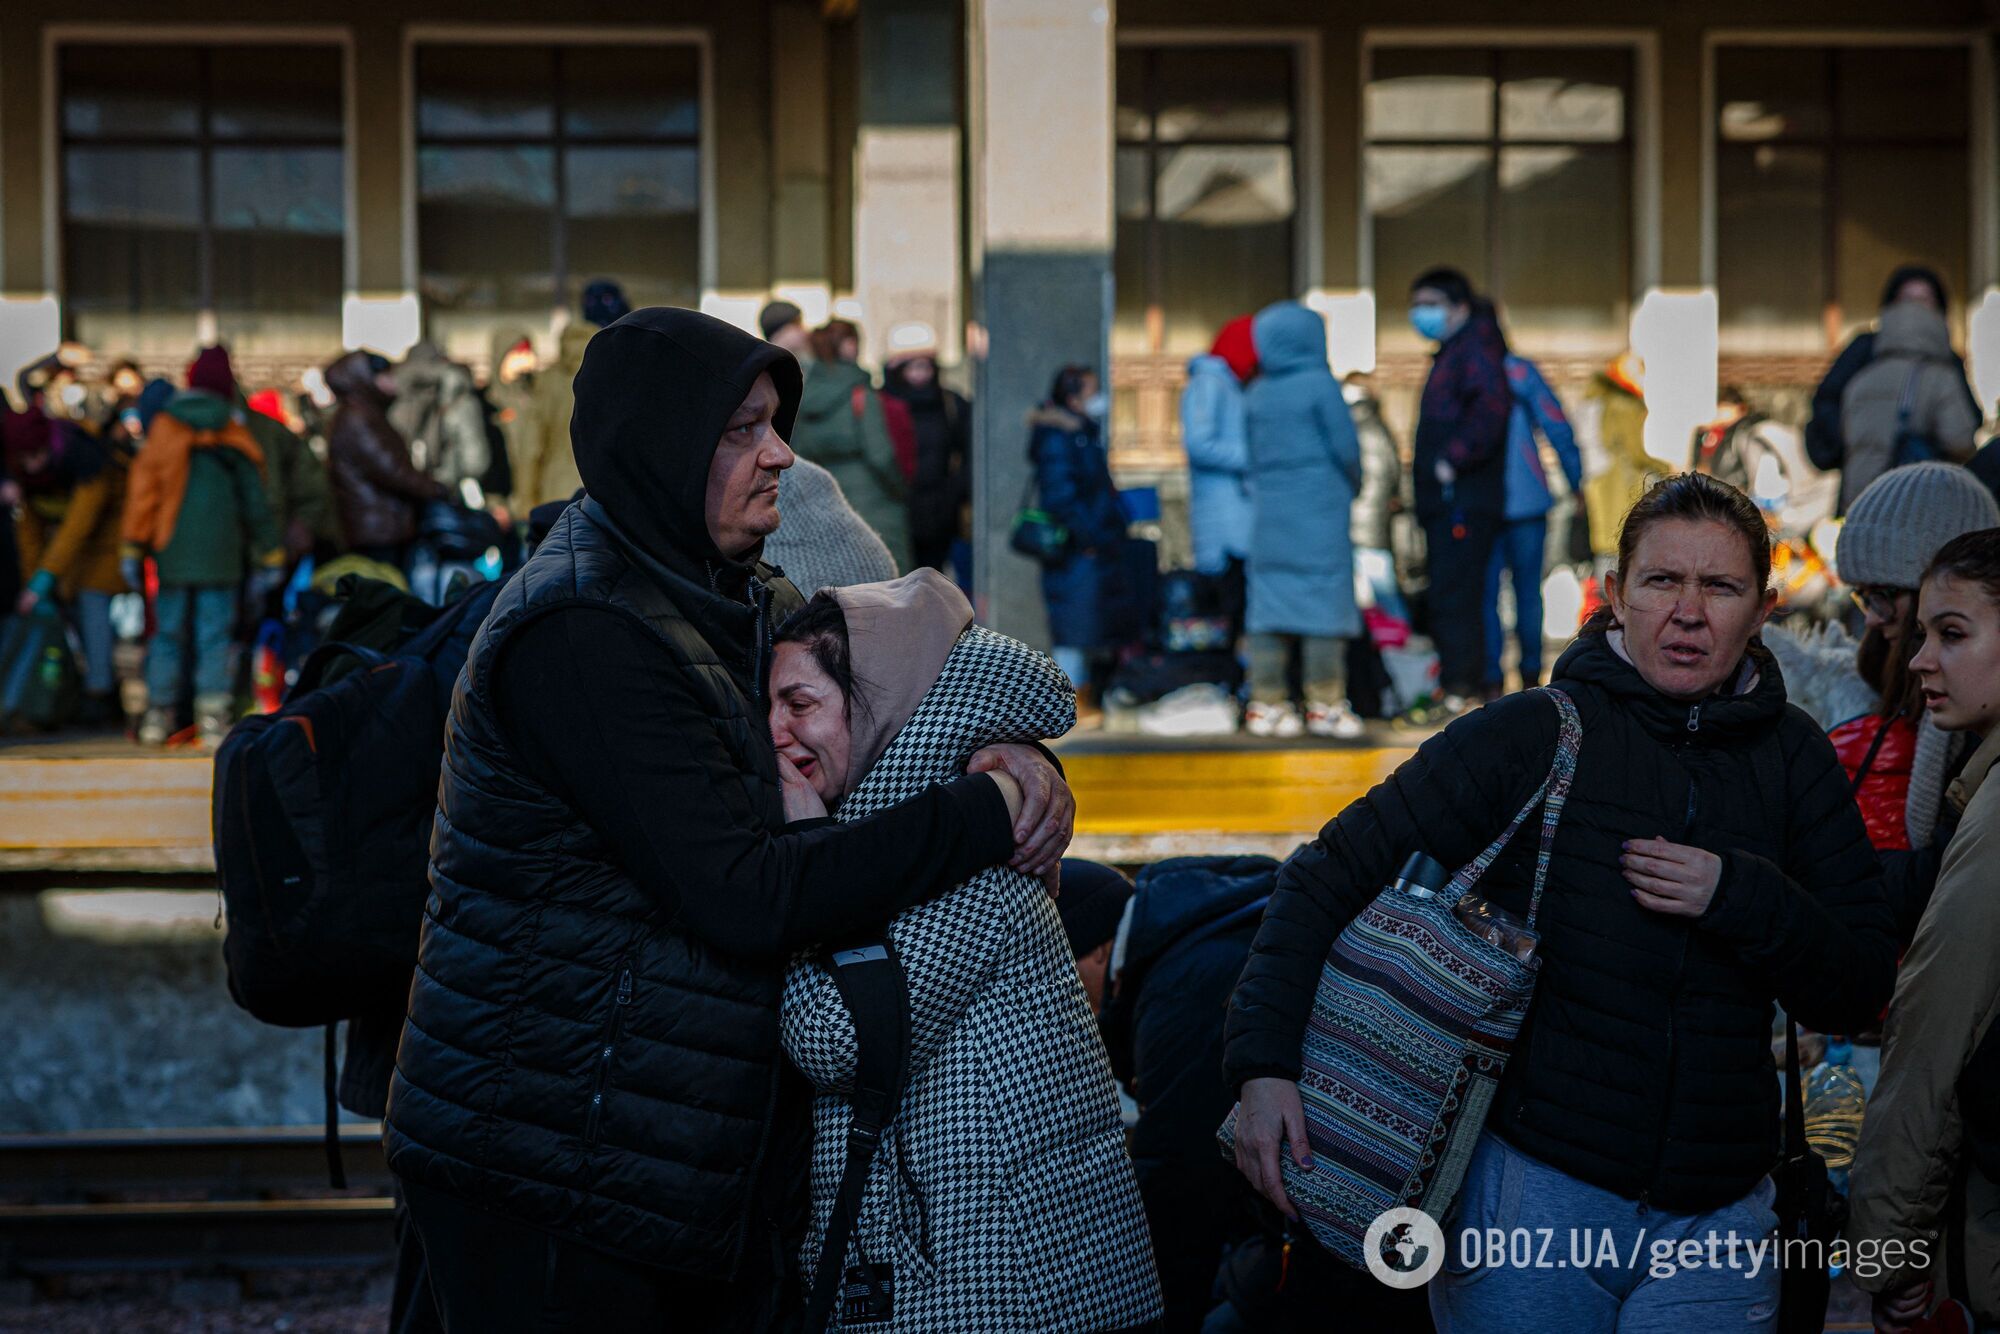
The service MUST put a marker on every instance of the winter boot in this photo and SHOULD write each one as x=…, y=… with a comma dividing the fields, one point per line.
x=215, y=714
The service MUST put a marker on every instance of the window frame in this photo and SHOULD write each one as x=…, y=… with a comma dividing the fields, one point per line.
x=1301, y=141
x=462, y=34
x=1637, y=145
x=1978, y=142
x=56, y=141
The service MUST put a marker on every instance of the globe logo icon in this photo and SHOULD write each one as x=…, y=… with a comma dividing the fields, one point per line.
x=1404, y=1248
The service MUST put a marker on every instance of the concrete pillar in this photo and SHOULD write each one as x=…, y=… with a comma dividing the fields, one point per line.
x=30, y=318
x=906, y=172
x=1040, y=88
x=381, y=311
x=1675, y=325
x=801, y=170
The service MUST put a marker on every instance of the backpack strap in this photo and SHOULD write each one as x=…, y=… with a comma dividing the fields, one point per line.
x=336, y=1171
x=1907, y=403
x=871, y=983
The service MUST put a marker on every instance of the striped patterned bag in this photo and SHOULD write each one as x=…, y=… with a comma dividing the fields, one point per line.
x=1411, y=1027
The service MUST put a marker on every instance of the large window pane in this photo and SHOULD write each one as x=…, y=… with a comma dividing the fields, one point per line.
x=486, y=227
x=1914, y=92
x=134, y=234
x=278, y=229
x=1428, y=206
x=1564, y=220
x=634, y=215
x=638, y=92
x=1231, y=92
x=1771, y=92
x=123, y=92
x=486, y=92
x=1225, y=220
x=1904, y=205
x=1571, y=96
x=1425, y=94
x=1771, y=248
x=264, y=92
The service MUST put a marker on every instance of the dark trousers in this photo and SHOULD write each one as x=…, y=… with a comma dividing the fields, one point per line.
x=492, y=1273
x=1458, y=548
x=412, y=1308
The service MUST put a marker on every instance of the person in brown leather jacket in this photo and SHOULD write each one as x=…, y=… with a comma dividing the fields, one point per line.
x=376, y=486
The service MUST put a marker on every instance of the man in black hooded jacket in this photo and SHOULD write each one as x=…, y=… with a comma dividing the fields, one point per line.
x=590, y=1113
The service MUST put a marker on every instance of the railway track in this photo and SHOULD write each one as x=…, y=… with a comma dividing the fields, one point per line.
x=222, y=1201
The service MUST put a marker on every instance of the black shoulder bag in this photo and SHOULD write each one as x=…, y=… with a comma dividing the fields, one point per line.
x=871, y=983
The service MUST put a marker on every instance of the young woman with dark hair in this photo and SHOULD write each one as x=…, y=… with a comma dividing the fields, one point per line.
x=1927, y=1172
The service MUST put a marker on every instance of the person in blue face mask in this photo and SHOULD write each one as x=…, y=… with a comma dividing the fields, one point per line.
x=1459, y=468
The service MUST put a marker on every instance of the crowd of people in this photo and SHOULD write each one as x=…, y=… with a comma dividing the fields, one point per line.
x=173, y=515
x=754, y=990
x=1328, y=543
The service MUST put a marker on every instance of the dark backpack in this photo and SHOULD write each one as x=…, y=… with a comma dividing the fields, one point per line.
x=322, y=818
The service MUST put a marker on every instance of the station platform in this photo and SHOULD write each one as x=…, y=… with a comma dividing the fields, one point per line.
x=102, y=805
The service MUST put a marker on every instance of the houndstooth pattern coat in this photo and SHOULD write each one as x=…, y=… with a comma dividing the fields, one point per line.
x=1002, y=1195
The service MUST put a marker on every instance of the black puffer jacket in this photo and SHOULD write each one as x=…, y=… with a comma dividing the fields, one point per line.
x=1645, y=1067
x=592, y=1039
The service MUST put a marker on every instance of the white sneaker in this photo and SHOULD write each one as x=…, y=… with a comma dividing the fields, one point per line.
x=156, y=727
x=1273, y=720
x=1334, y=720
x=215, y=714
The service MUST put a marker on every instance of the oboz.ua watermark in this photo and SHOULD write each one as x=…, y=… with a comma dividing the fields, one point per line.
x=1406, y=1248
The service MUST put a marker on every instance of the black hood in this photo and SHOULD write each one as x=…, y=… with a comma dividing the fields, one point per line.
x=654, y=393
x=1723, y=718
x=1184, y=897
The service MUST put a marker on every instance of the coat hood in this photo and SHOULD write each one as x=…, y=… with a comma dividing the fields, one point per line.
x=1208, y=366
x=899, y=635
x=1184, y=897
x=503, y=341
x=1236, y=344
x=1910, y=329
x=1289, y=337
x=575, y=338
x=829, y=389
x=991, y=690
x=200, y=409
x=653, y=395
x=352, y=380
x=1754, y=700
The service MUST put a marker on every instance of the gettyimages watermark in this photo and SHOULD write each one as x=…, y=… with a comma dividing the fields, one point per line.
x=1406, y=1248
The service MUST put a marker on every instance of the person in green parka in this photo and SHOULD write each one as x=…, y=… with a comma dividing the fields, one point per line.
x=295, y=484
x=841, y=428
x=197, y=504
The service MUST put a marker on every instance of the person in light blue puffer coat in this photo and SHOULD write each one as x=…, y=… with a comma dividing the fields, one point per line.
x=1524, y=535
x=1218, y=449
x=1305, y=467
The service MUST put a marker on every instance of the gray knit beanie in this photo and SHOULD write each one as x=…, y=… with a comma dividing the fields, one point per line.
x=1898, y=525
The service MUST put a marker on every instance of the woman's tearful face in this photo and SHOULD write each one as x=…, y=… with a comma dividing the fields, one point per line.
x=1689, y=604
x=809, y=722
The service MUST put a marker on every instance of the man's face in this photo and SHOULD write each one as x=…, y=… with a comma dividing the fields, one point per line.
x=742, y=502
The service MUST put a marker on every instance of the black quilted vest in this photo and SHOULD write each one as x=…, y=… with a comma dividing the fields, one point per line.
x=571, y=1060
